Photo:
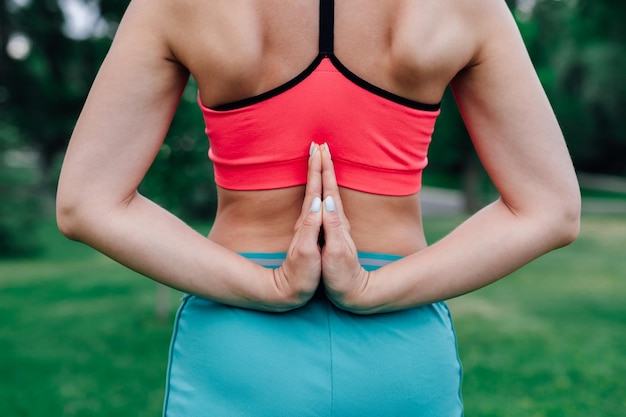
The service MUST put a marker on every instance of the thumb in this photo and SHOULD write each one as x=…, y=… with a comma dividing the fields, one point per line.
x=309, y=228
x=333, y=228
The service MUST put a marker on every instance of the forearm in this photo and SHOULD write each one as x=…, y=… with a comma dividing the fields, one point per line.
x=488, y=246
x=148, y=239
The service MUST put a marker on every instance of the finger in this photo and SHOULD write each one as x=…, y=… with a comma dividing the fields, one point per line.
x=331, y=223
x=314, y=174
x=329, y=180
x=313, y=186
x=308, y=227
x=314, y=177
x=305, y=240
x=330, y=187
x=336, y=230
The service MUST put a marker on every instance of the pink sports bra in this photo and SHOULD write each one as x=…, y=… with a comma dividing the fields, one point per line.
x=379, y=140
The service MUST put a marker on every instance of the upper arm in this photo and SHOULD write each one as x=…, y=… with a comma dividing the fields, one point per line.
x=509, y=117
x=127, y=113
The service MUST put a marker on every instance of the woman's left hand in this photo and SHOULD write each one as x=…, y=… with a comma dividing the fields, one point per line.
x=343, y=276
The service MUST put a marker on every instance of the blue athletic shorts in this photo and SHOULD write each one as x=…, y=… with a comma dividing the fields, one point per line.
x=316, y=360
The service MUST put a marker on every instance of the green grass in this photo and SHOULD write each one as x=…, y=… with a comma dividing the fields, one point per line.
x=550, y=340
x=79, y=335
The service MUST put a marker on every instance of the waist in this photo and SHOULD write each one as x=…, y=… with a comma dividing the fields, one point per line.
x=369, y=260
x=263, y=221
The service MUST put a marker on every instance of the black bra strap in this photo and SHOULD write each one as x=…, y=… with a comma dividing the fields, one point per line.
x=327, y=25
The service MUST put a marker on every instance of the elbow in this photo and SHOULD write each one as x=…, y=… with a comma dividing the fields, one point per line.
x=66, y=220
x=67, y=204
x=570, y=228
x=79, y=214
x=552, y=220
x=565, y=221
x=71, y=215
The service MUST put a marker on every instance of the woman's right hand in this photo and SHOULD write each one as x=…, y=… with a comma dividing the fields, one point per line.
x=300, y=274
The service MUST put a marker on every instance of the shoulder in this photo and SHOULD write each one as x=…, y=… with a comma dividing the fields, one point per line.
x=142, y=46
x=490, y=26
x=457, y=34
x=155, y=24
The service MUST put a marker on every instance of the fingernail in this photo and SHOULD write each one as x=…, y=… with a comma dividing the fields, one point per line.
x=312, y=149
x=316, y=206
x=329, y=204
x=327, y=149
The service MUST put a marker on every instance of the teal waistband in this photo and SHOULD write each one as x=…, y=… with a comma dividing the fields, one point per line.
x=369, y=260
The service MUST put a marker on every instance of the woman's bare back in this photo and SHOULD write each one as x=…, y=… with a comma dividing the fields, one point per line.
x=236, y=50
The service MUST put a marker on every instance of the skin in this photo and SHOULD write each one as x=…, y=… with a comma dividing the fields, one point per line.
x=239, y=48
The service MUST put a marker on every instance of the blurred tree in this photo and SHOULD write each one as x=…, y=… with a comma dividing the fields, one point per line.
x=579, y=49
x=43, y=88
x=42, y=84
x=20, y=207
x=46, y=70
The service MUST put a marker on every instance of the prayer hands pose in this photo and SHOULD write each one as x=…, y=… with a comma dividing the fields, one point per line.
x=336, y=261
